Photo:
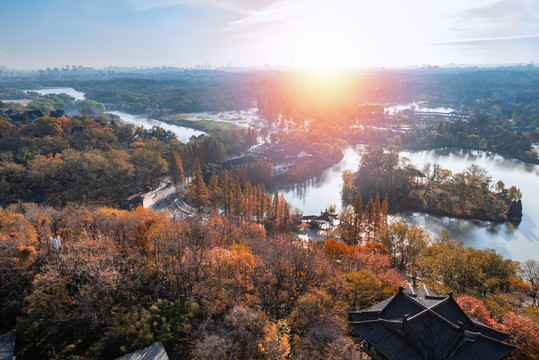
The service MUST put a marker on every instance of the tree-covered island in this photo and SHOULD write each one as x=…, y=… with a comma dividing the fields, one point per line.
x=433, y=189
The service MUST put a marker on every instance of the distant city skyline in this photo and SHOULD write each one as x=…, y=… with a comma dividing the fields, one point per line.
x=304, y=33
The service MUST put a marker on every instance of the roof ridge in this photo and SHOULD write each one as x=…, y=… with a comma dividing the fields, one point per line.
x=395, y=298
x=461, y=329
x=474, y=321
x=429, y=310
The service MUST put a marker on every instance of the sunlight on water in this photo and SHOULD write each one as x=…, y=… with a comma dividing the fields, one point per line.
x=518, y=242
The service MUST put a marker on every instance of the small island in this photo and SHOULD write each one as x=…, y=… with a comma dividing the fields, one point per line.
x=468, y=194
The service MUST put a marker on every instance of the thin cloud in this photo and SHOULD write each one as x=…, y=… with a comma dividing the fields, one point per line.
x=278, y=11
x=502, y=9
x=492, y=40
x=495, y=21
x=239, y=6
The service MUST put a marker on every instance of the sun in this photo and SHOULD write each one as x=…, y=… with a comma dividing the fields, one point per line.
x=321, y=50
x=322, y=43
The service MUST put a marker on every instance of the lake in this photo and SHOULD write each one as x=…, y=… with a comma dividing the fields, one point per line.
x=519, y=242
x=183, y=133
x=69, y=91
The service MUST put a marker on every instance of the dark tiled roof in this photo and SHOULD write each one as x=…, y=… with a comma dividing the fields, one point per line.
x=326, y=217
x=416, y=325
x=240, y=161
x=156, y=351
x=378, y=333
x=478, y=346
x=7, y=345
x=376, y=307
x=400, y=306
x=434, y=335
x=451, y=310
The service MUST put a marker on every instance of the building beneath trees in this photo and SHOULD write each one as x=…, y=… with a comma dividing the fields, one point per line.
x=416, y=324
x=7, y=345
x=156, y=351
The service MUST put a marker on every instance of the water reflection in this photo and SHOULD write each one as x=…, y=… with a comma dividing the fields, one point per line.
x=182, y=133
x=316, y=194
x=69, y=91
x=516, y=241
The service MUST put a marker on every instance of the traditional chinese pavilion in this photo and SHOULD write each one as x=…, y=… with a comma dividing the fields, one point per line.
x=415, y=324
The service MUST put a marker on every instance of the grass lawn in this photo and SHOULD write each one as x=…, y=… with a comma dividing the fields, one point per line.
x=202, y=125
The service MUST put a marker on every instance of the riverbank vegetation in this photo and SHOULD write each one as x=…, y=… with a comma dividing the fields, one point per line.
x=486, y=102
x=56, y=160
x=207, y=91
x=494, y=109
x=479, y=133
x=435, y=190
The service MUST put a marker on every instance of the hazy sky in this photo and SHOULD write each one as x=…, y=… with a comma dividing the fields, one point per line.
x=313, y=33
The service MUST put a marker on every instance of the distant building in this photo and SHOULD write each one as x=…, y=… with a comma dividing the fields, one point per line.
x=418, y=325
x=7, y=345
x=282, y=159
x=156, y=351
x=324, y=221
x=238, y=163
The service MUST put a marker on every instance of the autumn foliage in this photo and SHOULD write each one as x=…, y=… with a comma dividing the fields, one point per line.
x=122, y=280
x=523, y=332
x=222, y=287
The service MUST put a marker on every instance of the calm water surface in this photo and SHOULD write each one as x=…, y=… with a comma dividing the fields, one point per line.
x=69, y=91
x=518, y=242
x=183, y=133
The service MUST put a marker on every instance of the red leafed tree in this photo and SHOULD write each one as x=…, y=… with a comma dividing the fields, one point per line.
x=476, y=309
x=524, y=335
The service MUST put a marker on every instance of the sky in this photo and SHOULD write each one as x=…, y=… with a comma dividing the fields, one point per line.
x=315, y=34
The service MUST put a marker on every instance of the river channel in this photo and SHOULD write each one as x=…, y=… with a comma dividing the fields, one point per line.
x=183, y=133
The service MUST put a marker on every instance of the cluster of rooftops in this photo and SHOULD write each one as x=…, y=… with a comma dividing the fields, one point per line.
x=281, y=158
x=28, y=115
x=417, y=324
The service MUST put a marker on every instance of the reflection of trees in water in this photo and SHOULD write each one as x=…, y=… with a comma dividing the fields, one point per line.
x=492, y=228
x=459, y=153
x=459, y=229
x=528, y=230
x=491, y=161
x=511, y=227
x=483, y=155
x=300, y=189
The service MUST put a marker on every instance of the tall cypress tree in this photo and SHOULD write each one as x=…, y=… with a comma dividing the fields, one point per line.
x=215, y=191
x=175, y=167
x=357, y=218
x=198, y=192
